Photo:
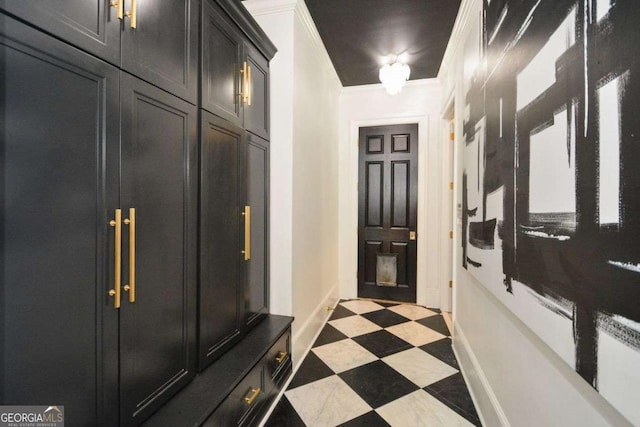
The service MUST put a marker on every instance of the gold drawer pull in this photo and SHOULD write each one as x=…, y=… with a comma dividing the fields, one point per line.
x=281, y=356
x=247, y=233
x=254, y=393
x=132, y=14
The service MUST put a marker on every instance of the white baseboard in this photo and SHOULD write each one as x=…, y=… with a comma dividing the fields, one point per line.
x=485, y=400
x=307, y=329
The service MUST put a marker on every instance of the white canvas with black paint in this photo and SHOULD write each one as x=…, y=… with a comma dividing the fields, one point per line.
x=551, y=186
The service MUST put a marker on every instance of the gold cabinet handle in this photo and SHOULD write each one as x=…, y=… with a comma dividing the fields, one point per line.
x=249, y=86
x=131, y=287
x=281, y=357
x=117, y=269
x=253, y=394
x=132, y=14
x=246, y=73
x=118, y=5
x=247, y=233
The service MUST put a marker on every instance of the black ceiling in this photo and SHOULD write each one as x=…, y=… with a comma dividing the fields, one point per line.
x=359, y=33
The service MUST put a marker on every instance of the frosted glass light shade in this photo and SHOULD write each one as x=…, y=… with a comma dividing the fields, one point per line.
x=394, y=77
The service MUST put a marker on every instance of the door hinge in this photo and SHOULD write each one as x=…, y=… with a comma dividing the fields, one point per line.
x=451, y=283
x=451, y=234
x=451, y=185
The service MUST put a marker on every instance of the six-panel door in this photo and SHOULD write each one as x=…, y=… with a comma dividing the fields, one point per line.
x=59, y=182
x=387, y=214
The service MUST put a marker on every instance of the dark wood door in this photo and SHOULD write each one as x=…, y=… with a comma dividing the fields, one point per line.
x=256, y=109
x=58, y=186
x=159, y=180
x=387, y=213
x=221, y=236
x=222, y=53
x=256, y=295
x=91, y=25
x=163, y=48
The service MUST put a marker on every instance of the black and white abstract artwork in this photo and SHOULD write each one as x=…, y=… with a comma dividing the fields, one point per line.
x=551, y=179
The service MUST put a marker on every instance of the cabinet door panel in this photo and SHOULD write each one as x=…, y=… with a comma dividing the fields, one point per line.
x=221, y=65
x=163, y=48
x=91, y=25
x=220, y=222
x=58, y=187
x=157, y=331
x=256, y=115
x=257, y=193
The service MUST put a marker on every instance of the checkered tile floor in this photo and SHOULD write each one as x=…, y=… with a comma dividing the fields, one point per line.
x=377, y=364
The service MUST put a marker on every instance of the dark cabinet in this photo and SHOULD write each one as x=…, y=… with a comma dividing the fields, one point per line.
x=159, y=181
x=222, y=53
x=91, y=25
x=235, y=74
x=221, y=236
x=59, y=334
x=155, y=40
x=256, y=291
x=79, y=158
x=163, y=46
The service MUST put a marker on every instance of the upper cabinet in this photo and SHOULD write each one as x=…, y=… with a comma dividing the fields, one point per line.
x=91, y=25
x=151, y=39
x=235, y=67
x=160, y=44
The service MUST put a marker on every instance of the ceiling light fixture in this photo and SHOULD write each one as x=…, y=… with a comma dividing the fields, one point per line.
x=394, y=75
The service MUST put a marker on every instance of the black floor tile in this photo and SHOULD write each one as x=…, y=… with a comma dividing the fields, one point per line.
x=339, y=312
x=328, y=335
x=436, y=323
x=435, y=310
x=312, y=369
x=370, y=419
x=284, y=415
x=385, y=318
x=387, y=304
x=442, y=350
x=453, y=392
x=382, y=343
x=377, y=383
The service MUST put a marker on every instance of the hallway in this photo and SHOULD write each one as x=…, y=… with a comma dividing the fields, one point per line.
x=378, y=364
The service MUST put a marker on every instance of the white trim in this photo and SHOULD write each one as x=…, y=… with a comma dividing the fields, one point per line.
x=460, y=27
x=269, y=7
x=303, y=336
x=477, y=383
x=367, y=88
x=423, y=293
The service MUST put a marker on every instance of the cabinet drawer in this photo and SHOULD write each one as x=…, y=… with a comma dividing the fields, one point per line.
x=278, y=359
x=242, y=406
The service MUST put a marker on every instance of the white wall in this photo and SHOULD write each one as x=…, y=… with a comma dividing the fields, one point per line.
x=515, y=377
x=305, y=92
x=419, y=102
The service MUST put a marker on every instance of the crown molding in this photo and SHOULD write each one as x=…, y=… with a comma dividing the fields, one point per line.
x=467, y=9
x=425, y=83
x=269, y=7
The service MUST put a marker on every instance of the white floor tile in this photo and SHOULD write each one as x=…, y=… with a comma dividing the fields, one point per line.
x=421, y=368
x=412, y=312
x=420, y=409
x=327, y=402
x=354, y=325
x=343, y=355
x=414, y=333
x=361, y=306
